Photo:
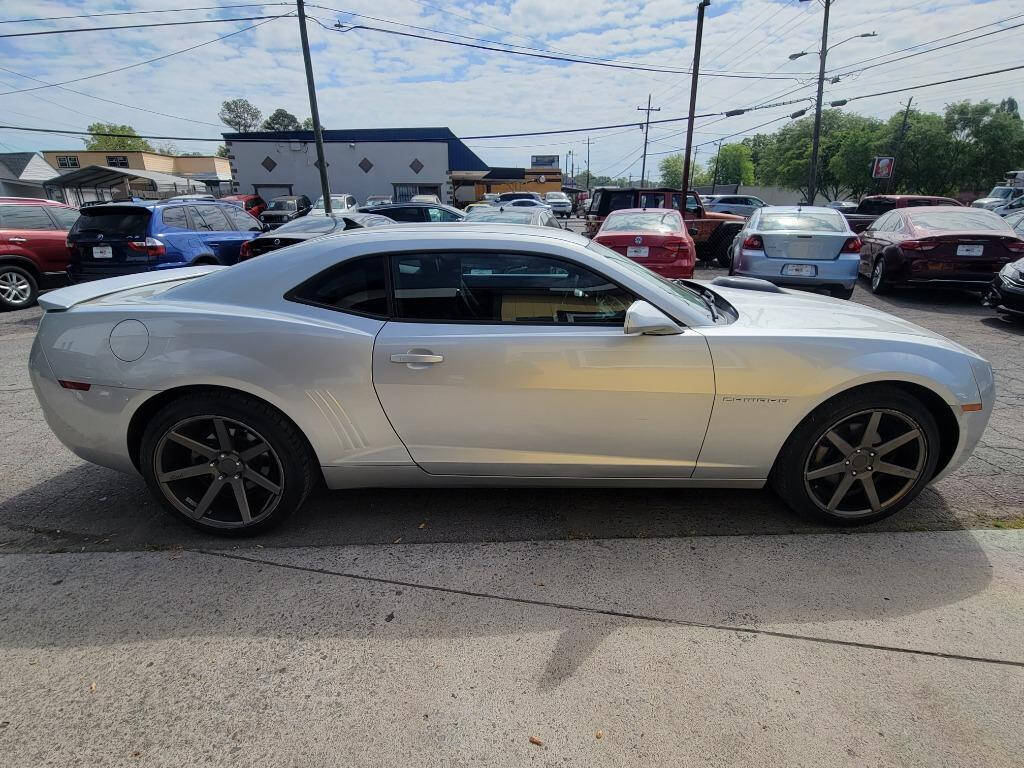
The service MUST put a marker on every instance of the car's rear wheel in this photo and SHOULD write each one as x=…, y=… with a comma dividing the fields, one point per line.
x=858, y=458
x=879, y=283
x=226, y=463
x=840, y=292
x=18, y=288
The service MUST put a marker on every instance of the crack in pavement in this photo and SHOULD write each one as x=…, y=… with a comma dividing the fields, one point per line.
x=615, y=613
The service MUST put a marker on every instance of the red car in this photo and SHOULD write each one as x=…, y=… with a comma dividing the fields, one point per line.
x=33, y=248
x=939, y=247
x=254, y=205
x=655, y=237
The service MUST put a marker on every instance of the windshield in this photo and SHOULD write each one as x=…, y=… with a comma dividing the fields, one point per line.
x=337, y=201
x=969, y=219
x=641, y=222
x=508, y=217
x=656, y=281
x=307, y=224
x=1003, y=192
x=805, y=221
x=282, y=205
x=556, y=196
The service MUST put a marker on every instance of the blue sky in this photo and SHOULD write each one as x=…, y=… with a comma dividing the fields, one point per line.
x=367, y=79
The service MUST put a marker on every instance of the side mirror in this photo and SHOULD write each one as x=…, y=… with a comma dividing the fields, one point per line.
x=693, y=231
x=646, y=320
x=264, y=227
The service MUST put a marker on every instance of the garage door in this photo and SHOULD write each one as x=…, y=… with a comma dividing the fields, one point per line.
x=270, y=191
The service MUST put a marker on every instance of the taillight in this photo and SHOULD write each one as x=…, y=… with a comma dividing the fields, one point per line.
x=753, y=243
x=917, y=245
x=1015, y=246
x=150, y=246
x=852, y=245
x=246, y=251
x=78, y=386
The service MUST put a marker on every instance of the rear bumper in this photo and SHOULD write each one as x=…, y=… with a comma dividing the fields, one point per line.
x=840, y=271
x=673, y=270
x=83, y=273
x=1005, y=297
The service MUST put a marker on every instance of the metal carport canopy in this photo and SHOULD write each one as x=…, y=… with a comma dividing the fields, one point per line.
x=96, y=176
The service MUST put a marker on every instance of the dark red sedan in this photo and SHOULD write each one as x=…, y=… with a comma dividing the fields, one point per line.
x=654, y=237
x=939, y=246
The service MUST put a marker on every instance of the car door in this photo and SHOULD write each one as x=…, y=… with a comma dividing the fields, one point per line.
x=217, y=233
x=516, y=364
x=27, y=231
x=873, y=240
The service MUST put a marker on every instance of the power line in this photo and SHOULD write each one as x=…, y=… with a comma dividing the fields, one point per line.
x=139, y=13
x=138, y=64
x=136, y=26
x=722, y=138
x=928, y=85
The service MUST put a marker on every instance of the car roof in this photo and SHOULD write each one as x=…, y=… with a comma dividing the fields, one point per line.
x=801, y=209
x=643, y=210
x=414, y=204
x=915, y=209
x=32, y=201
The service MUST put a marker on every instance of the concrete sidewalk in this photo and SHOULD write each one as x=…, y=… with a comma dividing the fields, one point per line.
x=848, y=649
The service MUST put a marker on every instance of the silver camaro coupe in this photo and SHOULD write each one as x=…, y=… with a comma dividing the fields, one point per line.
x=500, y=355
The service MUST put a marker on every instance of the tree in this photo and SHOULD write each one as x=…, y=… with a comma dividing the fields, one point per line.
x=307, y=124
x=129, y=143
x=1009, y=106
x=281, y=120
x=167, y=148
x=761, y=145
x=735, y=165
x=222, y=151
x=240, y=115
x=671, y=169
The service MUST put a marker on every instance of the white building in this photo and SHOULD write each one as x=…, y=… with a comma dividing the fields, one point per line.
x=22, y=174
x=398, y=162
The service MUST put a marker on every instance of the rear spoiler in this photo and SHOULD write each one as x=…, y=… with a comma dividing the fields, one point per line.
x=65, y=298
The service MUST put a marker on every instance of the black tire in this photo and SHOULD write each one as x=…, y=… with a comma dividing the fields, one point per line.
x=843, y=415
x=18, y=288
x=288, y=463
x=722, y=249
x=840, y=292
x=878, y=281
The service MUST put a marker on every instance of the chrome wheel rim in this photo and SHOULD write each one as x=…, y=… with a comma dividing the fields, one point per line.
x=218, y=471
x=865, y=463
x=14, y=288
x=876, y=275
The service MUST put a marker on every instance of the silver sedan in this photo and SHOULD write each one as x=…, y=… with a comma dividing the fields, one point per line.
x=490, y=354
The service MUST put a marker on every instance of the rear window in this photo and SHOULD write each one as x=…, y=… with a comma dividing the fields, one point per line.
x=642, y=222
x=876, y=207
x=967, y=220
x=801, y=222
x=507, y=217
x=123, y=222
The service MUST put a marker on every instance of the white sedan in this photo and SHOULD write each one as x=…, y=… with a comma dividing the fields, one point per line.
x=489, y=354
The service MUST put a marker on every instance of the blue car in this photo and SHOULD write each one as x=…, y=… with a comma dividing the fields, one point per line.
x=125, y=238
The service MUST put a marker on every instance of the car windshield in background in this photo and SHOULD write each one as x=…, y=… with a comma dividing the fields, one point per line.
x=336, y=202
x=132, y=221
x=641, y=222
x=1003, y=192
x=801, y=222
x=282, y=205
x=507, y=217
x=556, y=196
x=308, y=224
x=967, y=220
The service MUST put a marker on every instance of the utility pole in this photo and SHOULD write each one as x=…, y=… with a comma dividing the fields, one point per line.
x=588, y=163
x=714, y=179
x=899, y=144
x=693, y=98
x=812, y=179
x=318, y=134
x=647, y=124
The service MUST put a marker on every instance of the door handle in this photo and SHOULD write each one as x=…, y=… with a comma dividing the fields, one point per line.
x=415, y=357
x=16, y=239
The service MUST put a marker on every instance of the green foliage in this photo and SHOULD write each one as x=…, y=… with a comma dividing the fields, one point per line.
x=281, y=120
x=130, y=143
x=240, y=115
x=222, y=151
x=735, y=165
x=671, y=169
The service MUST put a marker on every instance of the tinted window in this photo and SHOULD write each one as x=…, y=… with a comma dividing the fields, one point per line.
x=405, y=214
x=65, y=217
x=691, y=203
x=440, y=214
x=24, y=217
x=876, y=207
x=619, y=200
x=926, y=201
x=175, y=217
x=357, y=286
x=242, y=220
x=208, y=218
x=126, y=222
x=505, y=288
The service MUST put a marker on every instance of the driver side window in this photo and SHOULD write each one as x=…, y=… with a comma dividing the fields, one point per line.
x=474, y=287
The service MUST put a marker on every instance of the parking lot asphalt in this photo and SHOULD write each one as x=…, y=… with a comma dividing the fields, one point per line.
x=514, y=627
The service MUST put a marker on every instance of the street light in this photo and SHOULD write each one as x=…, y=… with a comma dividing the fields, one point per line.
x=795, y=56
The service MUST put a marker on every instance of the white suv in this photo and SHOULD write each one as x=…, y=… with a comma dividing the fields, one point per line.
x=560, y=203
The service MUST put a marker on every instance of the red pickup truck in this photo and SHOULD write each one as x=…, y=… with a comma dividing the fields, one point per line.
x=870, y=208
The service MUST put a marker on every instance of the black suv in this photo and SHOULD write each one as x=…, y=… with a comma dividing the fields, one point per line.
x=415, y=212
x=285, y=208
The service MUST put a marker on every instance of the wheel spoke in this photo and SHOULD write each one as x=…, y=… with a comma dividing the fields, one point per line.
x=260, y=480
x=223, y=438
x=871, y=435
x=831, y=469
x=208, y=497
x=844, y=447
x=896, y=442
x=238, y=487
x=251, y=453
x=180, y=474
x=193, y=445
x=893, y=469
x=872, y=494
x=840, y=492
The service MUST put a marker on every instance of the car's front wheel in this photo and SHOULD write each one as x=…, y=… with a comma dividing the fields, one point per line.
x=18, y=288
x=858, y=457
x=226, y=462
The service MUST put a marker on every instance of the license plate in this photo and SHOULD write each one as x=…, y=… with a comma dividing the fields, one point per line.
x=800, y=270
x=970, y=250
x=637, y=252
x=102, y=252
